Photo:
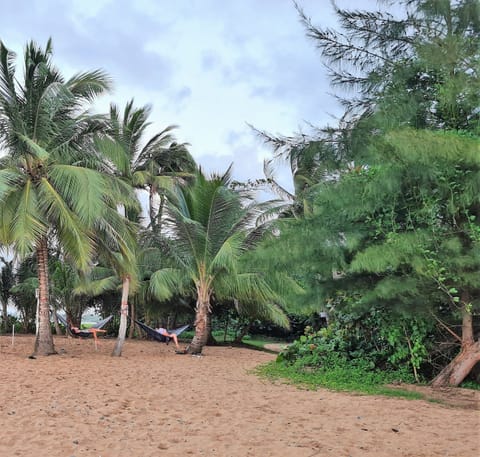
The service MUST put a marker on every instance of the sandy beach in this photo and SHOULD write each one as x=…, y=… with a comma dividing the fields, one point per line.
x=153, y=402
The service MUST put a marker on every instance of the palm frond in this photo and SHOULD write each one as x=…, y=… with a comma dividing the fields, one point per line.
x=89, y=85
x=27, y=224
x=8, y=178
x=82, y=190
x=95, y=287
x=115, y=153
x=167, y=282
x=78, y=244
x=265, y=311
x=34, y=148
x=227, y=256
x=7, y=76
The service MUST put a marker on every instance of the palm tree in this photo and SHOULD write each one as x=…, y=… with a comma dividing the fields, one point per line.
x=149, y=166
x=144, y=164
x=211, y=227
x=46, y=187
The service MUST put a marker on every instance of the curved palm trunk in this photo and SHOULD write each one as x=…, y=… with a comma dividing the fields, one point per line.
x=459, y=368
x=44, y=340
x=158, y=219
x=151, y=208
x=122, y=331
x=201, y=328
x=202, y=312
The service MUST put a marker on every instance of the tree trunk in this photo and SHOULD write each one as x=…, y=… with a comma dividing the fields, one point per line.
x=459, y=368
x=151, y=209
x=158, y=220
x=122, y=331
x=243, y=332
x=201, y=327
x=44, y=340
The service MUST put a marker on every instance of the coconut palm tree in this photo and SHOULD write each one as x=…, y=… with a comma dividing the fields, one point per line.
x=47, y=188
x=211, y=226
x=143, y=166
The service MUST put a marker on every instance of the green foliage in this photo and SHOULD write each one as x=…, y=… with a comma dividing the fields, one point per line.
x=470, y=385
x=371, y=341
x=343, y=377
x=210, y=227
x=394, y=223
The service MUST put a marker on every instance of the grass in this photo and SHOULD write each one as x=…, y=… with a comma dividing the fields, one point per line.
x=258, y=342
x=339, y=379
x=261, y=342
x=470, y=385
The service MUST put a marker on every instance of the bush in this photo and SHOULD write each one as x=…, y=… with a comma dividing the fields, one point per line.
x=367, y=345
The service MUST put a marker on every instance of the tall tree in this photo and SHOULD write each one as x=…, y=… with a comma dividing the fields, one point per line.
x=416, y=66
x=139, y=165
x=400, y=232
x=46, y=186
x=211, y=226
x=422, y=56
x=144, y=163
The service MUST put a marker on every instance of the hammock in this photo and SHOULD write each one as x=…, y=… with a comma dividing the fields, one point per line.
x=158, y=336
x=86, y=333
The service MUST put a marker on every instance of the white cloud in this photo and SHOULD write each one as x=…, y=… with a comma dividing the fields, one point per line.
x=209, y=66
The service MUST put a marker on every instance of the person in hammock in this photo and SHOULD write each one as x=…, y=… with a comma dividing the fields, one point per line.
x=173, y=336
x=94, y=331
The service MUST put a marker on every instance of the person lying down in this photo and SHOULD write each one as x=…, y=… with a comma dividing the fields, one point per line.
x=173, y=336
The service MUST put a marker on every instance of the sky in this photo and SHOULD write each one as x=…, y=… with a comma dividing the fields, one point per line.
x=212, y=67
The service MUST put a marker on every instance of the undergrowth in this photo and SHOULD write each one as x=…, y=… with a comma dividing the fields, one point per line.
x=352, y=379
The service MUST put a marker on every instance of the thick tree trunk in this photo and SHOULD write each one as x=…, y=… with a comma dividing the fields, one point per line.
x=44, y=340
x=459, y=368
x=201, y=327
x=122, y=331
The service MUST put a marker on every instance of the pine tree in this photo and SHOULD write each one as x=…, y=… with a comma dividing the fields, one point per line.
x=398, y=212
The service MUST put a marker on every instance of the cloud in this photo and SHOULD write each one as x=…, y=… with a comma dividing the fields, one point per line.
x=206, y=65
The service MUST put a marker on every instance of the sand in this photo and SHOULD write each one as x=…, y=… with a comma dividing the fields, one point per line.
x=153, y=402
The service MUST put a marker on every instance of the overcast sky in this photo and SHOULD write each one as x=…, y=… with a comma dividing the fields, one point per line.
x=209, y=66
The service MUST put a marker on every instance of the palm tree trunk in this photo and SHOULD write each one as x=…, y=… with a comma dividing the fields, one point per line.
x=44, y=340
x=151, y=208
x=158, y=221
x=202, y=326
x=459, y=368
x=122, y=331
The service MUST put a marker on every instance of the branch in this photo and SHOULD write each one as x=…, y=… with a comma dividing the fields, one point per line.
x=446, y=327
